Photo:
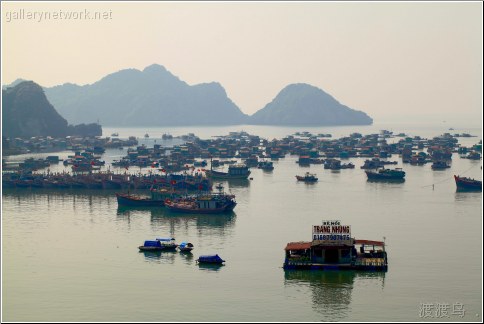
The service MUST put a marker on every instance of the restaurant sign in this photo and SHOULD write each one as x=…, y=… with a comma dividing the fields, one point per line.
x=332, y=231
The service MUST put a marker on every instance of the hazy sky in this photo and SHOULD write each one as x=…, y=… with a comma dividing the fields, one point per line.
x=392, y=60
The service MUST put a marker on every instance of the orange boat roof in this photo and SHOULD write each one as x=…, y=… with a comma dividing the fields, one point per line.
x=298, y=246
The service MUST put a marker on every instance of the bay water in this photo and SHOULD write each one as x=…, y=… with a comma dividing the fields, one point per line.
x=72, y=255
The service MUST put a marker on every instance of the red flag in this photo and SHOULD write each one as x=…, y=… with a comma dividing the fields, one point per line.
x=152, y=165
x=163, y=170
x=173, y=182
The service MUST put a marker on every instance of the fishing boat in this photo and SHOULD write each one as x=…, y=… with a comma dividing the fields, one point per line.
x=151, y=246
x=333, y=248
x=126, y=199
x=467, y=183
x=308, y=177
x=386, y=174
x=212, y=259
x=266, y=165
x=202, y=204
x=235, y=171
x=159, y=244
x=168, y=243
x=440, y=165
x=185, y=247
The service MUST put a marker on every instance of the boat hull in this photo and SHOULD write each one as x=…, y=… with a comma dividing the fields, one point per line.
x=332, y=267
x=379, y=176
x=466, y=184
x=127, y=200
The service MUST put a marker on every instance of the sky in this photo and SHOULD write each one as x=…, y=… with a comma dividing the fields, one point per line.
x=392, y=60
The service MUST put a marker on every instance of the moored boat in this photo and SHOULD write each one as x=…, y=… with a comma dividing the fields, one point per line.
x=202, y=204
x=235, y=171
x=467, y=183
x=185, y=247
x=127, y=199
x=209, y=203
x=333, y=248
x=386, y=174
x=266, y=165
x=308, y=177
x=168, y=243
x=212, y=259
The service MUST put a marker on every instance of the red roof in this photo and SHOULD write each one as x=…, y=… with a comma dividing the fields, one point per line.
x=298, y=246
x=368, y=242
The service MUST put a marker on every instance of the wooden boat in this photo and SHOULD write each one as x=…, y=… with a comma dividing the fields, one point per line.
x=203, y=204
x=127, y=199
x=236, y=171
x=212, y=259
x=212, y=203
x=266, y=165
x=333, y=248
x=440, y=165
x=467, y=183
x=159, y=244
x=185, y=247
x=308, y=177
x=386, y=174
x=168, y=243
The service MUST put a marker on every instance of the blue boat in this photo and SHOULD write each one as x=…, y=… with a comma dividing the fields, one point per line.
x=159, y=244
x=185, y=247
x=167, y=243
x=151, y=246
x=214, y=259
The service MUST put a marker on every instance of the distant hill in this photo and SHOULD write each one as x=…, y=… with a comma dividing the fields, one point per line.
x=152, y=97
x=26, y=112
x=305, y=105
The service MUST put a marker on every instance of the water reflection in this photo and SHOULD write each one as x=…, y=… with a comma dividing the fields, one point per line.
x=187, y=257
x=162, y=257
x=331, y=290
x=467, y=194
x=236, y=183
x=163, y=217
x=210, y=266
x=48, y=197
x=385, y=181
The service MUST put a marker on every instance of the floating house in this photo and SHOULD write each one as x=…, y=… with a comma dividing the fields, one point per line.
x=333, y=248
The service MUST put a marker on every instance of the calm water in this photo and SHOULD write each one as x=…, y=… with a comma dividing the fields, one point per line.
x=73, y=256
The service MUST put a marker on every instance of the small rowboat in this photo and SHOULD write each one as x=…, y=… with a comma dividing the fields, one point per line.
x=185, y=247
